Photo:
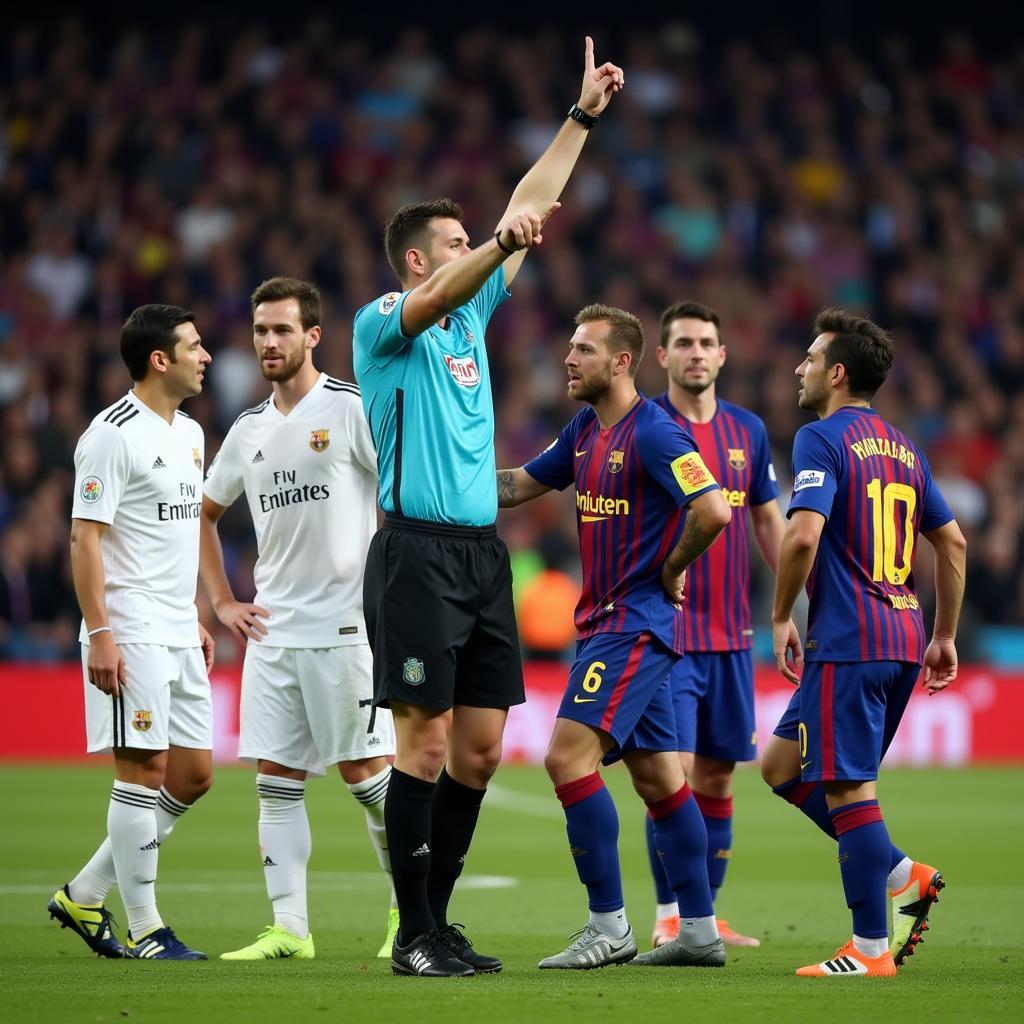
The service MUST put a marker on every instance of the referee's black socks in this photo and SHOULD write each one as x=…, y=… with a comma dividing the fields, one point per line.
x=407, y=814
x=455, y=810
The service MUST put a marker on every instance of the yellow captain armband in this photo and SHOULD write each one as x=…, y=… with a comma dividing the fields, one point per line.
x=691, y=474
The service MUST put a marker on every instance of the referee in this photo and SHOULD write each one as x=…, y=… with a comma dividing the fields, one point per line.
x=438, y=586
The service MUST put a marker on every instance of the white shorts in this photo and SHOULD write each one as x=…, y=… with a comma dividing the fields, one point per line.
x=309, y=708
x=165, y=702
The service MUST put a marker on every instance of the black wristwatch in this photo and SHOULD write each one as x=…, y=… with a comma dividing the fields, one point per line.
x=582, y=117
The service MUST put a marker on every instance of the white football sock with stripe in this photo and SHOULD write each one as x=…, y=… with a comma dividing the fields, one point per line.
x=131, y=826
x=371, y=793
x=285, y=846
x=91, y=885
x=900, y=875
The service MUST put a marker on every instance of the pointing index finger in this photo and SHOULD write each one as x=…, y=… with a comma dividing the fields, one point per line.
x=590, y=54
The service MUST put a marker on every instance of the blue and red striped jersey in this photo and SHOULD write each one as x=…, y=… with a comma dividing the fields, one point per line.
x=716, y=605
x=633, y=482
x=876, y=492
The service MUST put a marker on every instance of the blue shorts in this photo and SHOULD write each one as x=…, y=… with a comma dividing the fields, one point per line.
x=619, y=683
x=713, y=693
x=844, y=716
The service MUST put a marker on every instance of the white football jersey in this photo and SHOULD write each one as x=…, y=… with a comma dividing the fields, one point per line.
x=143, y=477
x=311, y=482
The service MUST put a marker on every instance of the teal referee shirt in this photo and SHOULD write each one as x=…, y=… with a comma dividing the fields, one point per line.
x=428, y=403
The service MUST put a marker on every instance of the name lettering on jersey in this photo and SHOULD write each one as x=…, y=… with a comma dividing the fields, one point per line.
x=904, y=602
x=615, y=458
x=595, y=507
x=172, y=511
x=735, y=499
x=464, y=371
x=289, y=492
x=883, y=446
x=737, y=459
x=808, y=478
x=691, y=474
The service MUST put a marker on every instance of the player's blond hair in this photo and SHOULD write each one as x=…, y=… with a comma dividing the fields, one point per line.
x=625, y=332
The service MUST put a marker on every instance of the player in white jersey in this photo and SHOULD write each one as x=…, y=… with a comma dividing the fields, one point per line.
x=306, y=462
x=145, y=656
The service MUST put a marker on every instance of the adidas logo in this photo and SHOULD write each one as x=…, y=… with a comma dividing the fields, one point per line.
x=258, y=457
x=152, y=845
x=268, y=863
x=159, y=464
x=423, y=851
x=419, y=961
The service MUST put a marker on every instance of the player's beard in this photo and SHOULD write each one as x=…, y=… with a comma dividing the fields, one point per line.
x=593, y=388
x=288, y=367
x=813, y=399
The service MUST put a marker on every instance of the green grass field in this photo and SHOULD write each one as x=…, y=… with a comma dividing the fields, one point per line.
x=520, y=901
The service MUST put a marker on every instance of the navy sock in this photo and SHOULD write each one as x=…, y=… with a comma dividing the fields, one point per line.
x=663, y=892
x=592, y=825
x=864, y=853
x=683, y=844
x=809, y=797
x=717, y=814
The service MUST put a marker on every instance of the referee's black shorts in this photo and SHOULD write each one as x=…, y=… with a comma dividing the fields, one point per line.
x=439, y=616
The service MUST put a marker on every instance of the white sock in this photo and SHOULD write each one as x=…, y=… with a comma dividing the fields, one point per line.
x=698, y=931
x=371, y=793
x=870, y=947
x=663, y=911
x=613, y=923
x=91, y=885
x=898, y=877
x=131, y=826
x=168, y=810
x=285, y=846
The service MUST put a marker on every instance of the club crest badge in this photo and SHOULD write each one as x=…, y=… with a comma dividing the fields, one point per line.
x=413, y=672
x=142, y=721
x=615, y=458
x=197, y=458
x=319, y=440
x=388, y=303
x=737, y=459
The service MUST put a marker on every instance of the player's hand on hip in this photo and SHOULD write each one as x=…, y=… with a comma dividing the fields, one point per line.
x=789, y=655
x=599, y=83
x=674, y=584
x=105, y=664
x=243, y=619
x=940, y=664
x=209, y=646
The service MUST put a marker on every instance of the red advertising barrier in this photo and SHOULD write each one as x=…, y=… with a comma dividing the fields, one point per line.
x=976, y=720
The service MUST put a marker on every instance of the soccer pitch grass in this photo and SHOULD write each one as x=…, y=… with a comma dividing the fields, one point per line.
x=520, y=900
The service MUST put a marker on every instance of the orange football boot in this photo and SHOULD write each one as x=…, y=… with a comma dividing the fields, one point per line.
x=848, y=962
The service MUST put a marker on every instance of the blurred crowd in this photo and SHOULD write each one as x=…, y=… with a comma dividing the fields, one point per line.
x=761, y=177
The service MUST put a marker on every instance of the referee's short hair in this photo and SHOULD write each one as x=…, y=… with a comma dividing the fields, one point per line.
x=410, y=228
x=625, y=332
x=304, y=292
x=149, y=329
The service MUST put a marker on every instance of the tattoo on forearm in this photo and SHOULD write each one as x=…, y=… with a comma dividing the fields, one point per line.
x=506, y=489
x=693, y=543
